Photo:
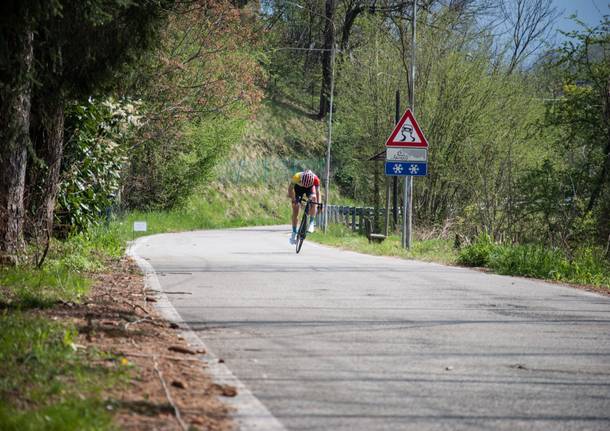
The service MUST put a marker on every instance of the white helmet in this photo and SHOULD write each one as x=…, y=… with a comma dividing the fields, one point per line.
x=307, y=178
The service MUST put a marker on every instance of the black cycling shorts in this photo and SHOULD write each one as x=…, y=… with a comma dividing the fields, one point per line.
x=299, y=191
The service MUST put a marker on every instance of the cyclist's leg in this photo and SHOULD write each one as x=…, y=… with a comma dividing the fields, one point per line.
x=311, y=194
x=295, y=215
x=313, y=208
x=298, y=194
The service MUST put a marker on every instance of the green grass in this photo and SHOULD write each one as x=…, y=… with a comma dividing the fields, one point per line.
x=213, y=209
x=587, y=266
x=64, y=275
x=285, y=128
x=435, y=250
x=24, y=287
x=46, y=383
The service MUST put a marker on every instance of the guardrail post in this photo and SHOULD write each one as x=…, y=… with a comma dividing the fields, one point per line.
x=353, y=213
x=360, y=220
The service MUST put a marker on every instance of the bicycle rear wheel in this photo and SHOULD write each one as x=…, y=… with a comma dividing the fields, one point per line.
x=302, y=233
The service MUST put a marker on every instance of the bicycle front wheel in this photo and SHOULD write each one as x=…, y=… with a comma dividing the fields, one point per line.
x=302, y=233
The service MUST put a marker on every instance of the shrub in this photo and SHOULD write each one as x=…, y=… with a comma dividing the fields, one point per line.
x=478, y=253
x=529, y=260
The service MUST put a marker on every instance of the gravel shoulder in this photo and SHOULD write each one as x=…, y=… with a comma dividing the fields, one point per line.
x=167, y=385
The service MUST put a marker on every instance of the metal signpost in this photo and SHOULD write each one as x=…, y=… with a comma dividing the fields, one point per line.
x=407, y=149
x=407, y=156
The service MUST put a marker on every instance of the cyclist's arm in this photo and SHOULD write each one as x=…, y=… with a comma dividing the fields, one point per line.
x=319, y=200
x=291, y=191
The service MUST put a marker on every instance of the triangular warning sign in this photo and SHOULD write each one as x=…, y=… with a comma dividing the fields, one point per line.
x=407, y=133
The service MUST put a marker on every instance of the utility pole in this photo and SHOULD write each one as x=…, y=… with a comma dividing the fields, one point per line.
x=333, y=50
x=408, y=191
x=330, y=132
x=395, y=179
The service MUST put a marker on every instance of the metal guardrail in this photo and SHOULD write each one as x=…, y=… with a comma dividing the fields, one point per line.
x=354, y=217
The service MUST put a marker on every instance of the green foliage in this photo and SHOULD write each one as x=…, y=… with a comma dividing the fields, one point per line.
x=200, y=87
x=96, y=152
x=231, y=206
x=163, y=176
x=578, y=121
x=432, y=250
x=586, y=266
x=46, y=382
x=480, y=123
x=478, y=253
x=25, y=287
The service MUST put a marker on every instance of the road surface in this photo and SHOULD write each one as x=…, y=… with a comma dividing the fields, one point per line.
x=336, y=340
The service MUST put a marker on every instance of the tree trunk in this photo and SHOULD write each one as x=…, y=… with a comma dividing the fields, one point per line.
x=348, y=23
x=603, y=174
x=329, y=43
x=15, y=101
x=47, y=134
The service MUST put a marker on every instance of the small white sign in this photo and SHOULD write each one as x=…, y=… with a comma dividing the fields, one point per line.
x=139, y=226
x=402, y=154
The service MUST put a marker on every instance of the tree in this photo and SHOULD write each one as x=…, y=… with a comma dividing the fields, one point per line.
x=18, y=23
x=530, y=25
x=479, y=122
x=77, y=53
x=579, y=120
x=198, y=86
x=55, y=51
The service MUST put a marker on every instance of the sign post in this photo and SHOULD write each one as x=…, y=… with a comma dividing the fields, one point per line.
x=407, y=148
x=408, y=198
x=138, y=226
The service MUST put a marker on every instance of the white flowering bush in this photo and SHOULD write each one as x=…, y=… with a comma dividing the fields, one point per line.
x=97, y=134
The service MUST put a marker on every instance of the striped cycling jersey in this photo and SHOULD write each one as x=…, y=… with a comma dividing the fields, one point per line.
x=296, y=179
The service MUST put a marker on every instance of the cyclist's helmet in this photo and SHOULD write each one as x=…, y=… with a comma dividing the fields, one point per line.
x=307, y=178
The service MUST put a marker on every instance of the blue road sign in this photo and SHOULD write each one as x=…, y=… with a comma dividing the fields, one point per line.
x=406, y=169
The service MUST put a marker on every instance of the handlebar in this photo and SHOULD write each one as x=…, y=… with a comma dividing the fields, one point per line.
x=319, y=205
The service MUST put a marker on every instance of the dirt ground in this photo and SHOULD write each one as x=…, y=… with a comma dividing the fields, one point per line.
x=168, y=388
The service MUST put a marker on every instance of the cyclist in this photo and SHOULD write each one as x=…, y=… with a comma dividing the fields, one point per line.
x=302, y=183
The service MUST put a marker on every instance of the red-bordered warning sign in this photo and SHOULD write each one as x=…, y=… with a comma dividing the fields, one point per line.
x=407, y=133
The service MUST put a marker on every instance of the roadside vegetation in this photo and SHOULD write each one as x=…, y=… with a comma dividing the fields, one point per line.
x=431, y=250
x=47, y=380
x=588, y=267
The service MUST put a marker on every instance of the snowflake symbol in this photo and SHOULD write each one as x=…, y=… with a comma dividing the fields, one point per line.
x=414, y=169
x=397, y=169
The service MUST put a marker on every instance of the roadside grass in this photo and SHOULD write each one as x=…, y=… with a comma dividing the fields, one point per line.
x=433, y=250
x=283, y=127
x=63, y=276
x=46, y=382
x=586, y=267
x=226, y=207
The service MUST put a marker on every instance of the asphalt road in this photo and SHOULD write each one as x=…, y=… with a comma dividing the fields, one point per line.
x=335, y=340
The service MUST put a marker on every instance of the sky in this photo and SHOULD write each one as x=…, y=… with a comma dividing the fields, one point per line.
x=589, y=11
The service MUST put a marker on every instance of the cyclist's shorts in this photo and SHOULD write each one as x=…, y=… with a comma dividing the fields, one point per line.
x=300, y=191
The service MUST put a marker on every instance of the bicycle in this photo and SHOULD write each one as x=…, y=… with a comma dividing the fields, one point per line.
x=302, y=232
